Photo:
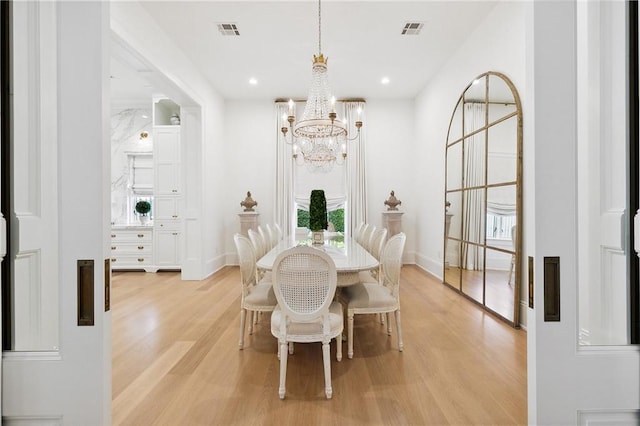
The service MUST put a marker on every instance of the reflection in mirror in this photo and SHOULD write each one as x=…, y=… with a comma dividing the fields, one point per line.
x=476, y=92
x=502, y=156
x=473, y=224
x=454, y=167
x=483, y=193
x=453, y=215
x=472, y=271
x=452, y=263
x=500, y=94
x=501, y=217
x=499, y=280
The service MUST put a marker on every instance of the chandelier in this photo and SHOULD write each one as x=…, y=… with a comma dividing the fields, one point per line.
x=320, y=138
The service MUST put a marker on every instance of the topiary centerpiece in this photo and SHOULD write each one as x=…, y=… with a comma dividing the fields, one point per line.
x=317, y=215
x=143, y=207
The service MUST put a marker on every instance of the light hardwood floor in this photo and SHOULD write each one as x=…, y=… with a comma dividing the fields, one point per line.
x=176, y=361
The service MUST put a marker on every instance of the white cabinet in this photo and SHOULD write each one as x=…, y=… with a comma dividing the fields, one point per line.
x=167, y=248
x=167, y=164
x=132, y=248
x=166, y=156
x=167, y=208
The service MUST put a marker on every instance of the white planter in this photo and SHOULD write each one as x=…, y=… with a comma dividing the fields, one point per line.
x=317, y=237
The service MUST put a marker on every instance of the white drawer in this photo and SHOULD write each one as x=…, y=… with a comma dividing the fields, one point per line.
x=168, y=225
x=131, y=261
x=120, y=249
x=131, y=236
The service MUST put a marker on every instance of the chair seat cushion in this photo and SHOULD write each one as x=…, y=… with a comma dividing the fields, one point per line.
x=368, y=295
x=261, y=295
x=299, y=332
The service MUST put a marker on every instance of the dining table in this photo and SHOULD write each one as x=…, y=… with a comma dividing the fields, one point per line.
x=349, y=257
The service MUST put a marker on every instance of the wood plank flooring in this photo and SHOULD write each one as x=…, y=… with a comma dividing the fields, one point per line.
x=176, y=361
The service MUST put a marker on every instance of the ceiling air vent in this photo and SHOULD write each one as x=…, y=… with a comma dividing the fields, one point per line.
x=412, y=28
x=228, y=29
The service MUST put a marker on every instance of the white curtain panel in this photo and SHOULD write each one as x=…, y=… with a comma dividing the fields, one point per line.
x=284, y=205
x=474, y=175
x=356, y=208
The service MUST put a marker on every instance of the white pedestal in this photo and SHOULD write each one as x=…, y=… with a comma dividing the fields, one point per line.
x=447, y=226
x=248, y=220
x=392, y=220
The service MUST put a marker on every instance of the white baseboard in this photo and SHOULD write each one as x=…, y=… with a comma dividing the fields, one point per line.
x=429, y=264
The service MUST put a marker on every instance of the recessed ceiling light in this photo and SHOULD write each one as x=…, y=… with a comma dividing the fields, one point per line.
x=385, y=80
x=253, y=81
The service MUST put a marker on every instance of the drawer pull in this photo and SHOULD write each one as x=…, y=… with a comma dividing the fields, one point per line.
x=174, y=216
x=174, y=190
x=113, y=235
x=140, y=260
x=174, y=233
x=140, y=235
x=140, y=247
x=113, y=259
x=113, y=247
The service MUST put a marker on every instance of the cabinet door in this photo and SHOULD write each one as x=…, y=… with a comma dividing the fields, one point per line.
x=167, y=248
x=167, y=160
x=167, y=208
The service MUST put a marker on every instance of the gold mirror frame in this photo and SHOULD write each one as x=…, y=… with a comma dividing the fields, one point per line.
x=480, y=181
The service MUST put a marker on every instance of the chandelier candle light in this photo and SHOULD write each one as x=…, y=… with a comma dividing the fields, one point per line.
x=320, y=136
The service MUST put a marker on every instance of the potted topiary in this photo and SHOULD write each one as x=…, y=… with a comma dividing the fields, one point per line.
x=317, y=215
x=143, y=207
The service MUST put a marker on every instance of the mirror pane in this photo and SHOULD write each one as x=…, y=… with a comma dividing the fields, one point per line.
x=471, y=270
x=453, y=215
x=473, y=225
x=454, y=166
x=503, y=154
x=500, y=283
x=474, y=160
x=477, y=91
x=501, y=217
x=455, y=127
x=500, y=94
x=451, y=263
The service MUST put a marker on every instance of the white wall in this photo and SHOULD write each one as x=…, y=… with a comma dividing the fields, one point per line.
x=249, y=161
x=249, y=157
x=390, y=164
x=498, y=44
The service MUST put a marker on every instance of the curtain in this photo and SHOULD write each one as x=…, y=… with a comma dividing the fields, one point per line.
x=474, y=175
x=284, y=183
x=356, y=208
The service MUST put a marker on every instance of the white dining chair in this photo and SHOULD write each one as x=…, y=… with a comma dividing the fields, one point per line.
x=273, y=235
x=366, y=237
x=258, y=243
x=373, y=298
x=363, y=232
x=378, y=239
x=266, y=238
x=304, y=283
x=257, y=295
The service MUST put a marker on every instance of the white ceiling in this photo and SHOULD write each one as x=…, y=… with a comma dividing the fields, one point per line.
x=278, y=39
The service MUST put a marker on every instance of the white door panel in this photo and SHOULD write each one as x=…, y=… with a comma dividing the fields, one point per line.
x=577, y=107
x=58, y=372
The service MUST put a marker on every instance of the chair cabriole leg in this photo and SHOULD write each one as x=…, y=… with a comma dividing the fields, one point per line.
x=399, y=328
x=243, y=316
x=350, y=335
x=326, y=358
x=283, y=368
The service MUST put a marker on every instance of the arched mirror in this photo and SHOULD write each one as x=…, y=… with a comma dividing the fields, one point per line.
x=483, y=196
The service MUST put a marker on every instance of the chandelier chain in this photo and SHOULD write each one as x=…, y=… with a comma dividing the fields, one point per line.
x=319, y=29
